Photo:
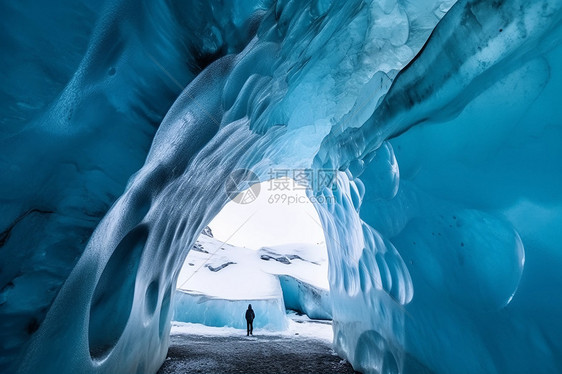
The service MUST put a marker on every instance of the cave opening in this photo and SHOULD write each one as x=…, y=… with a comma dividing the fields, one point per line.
x=267, y=248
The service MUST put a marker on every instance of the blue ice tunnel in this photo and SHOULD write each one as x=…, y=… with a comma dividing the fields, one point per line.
x=443, y=220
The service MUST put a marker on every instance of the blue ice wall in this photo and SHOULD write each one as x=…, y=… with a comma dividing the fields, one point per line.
x=490, y=224
x=84, y=87
x=441, y=121
x=217, y=312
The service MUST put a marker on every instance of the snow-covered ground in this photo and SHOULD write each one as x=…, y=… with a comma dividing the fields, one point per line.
x=218, y=281
x=298, y=325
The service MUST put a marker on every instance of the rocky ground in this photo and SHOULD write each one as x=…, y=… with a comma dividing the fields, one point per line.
x=195, y=353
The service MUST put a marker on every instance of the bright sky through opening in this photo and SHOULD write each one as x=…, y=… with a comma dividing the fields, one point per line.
x=276, y=216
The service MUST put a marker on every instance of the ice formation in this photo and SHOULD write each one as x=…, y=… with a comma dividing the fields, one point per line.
x=449, y=265
x=218, y=281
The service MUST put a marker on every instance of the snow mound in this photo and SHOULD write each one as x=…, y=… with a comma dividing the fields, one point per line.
x=218, y=281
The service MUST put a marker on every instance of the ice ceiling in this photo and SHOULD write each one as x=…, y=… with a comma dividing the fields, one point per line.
x=110, y=169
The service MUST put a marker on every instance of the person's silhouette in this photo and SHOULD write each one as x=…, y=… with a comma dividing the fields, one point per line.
x=250, y=315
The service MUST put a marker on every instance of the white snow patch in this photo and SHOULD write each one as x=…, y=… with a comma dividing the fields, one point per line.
x=248, y=276
x=219, y=280
x=299, y=327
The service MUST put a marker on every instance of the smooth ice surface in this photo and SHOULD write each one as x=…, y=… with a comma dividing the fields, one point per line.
x=305, y=327
x=440, y=121
x=217, y=312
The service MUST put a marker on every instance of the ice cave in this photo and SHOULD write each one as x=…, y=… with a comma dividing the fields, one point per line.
x=438, y=121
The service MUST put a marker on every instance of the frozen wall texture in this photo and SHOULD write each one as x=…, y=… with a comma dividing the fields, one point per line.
x=442, y=120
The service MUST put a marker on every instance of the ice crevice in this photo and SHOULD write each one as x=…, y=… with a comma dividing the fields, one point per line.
x=440, y=123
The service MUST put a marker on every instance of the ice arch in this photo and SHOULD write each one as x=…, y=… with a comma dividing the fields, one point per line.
x=314, y=85
x=265, y=247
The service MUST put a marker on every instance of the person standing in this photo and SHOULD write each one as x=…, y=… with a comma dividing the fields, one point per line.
x=250, y=315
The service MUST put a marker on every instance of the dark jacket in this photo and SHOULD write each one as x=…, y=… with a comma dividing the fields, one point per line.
x=250, y=315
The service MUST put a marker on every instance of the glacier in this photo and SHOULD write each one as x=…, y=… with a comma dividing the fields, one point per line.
x=217, y=282
x=441, y=122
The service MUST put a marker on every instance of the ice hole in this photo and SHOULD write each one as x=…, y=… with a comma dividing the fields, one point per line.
x=114, y=294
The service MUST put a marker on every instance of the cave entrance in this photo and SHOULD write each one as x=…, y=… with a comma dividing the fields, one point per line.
x=267, y=248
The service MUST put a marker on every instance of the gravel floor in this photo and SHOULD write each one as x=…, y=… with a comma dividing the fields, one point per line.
x=254, y=354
